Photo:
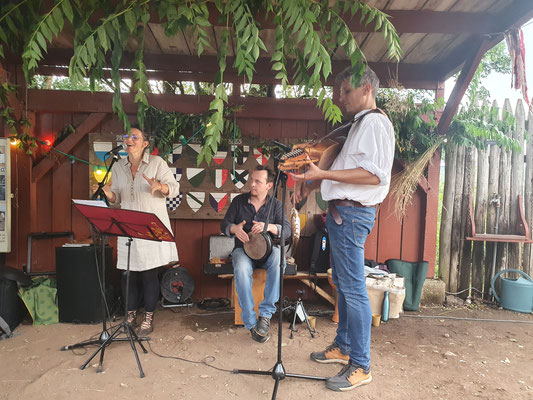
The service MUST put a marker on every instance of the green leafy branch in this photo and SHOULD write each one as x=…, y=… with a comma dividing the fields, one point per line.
x=51, y=24
x=165, y=127
x=140, y=84
x=215, y=127
x=481, y=126
x=308, y=33
x=17, y=126
x=371, y=14
x=246, y=31
x=8, y=15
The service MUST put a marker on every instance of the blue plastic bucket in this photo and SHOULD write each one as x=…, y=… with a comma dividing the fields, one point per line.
x=516, y=294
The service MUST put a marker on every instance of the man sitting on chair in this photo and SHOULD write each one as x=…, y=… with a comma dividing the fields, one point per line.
x=248, y=214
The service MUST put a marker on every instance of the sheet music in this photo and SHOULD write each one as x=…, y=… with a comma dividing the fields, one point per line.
x=95, y=203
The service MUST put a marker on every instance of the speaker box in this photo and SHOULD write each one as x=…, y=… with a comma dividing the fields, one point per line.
x=78, y=288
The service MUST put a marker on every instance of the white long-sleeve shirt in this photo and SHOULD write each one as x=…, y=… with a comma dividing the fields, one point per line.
x=134, y=194
x=369, y=145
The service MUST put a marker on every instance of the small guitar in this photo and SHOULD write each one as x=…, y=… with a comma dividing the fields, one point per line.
x=322, y=152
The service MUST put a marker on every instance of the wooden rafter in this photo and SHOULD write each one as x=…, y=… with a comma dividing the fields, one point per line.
x=515, y=17
x=461, y=85
x=64, y=101
x=91, y=122
x=183, y=67
x=405, y=21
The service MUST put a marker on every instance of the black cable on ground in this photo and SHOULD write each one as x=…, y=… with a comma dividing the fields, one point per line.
x=205, y=361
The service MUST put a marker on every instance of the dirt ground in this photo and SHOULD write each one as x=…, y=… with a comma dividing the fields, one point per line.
x=412, y=358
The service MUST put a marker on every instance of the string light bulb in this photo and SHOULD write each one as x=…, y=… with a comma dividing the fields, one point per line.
x=14, y=141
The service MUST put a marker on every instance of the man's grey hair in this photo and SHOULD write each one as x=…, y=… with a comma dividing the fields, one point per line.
x=369, y=76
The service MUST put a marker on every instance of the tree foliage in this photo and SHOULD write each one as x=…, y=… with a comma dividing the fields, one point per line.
x=308, y=33
x=478, y=124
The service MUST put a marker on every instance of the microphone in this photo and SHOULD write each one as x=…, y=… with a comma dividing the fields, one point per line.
x=116, y=150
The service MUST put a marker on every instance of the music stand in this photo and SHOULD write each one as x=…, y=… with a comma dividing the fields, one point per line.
x=132, y=225
x=278, y=371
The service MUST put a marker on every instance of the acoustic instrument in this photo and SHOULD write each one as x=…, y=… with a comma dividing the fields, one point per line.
x=259, y=247
x=322, y=152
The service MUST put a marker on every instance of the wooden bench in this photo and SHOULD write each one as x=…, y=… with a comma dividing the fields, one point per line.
x=523, y=236
x=258, y=288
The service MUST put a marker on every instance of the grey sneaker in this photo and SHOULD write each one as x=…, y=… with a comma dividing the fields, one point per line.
x=262, y=327
x=350, y=377
x=332, y=354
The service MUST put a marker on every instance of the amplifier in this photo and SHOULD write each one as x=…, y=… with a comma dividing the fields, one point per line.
x=79, y=296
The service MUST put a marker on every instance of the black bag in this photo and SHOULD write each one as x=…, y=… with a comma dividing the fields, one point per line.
x=12, y=309
x=320, y=255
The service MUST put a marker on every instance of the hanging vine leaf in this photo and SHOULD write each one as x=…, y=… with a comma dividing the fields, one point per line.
x=308, y=33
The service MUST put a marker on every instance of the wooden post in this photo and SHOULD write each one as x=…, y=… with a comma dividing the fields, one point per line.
x=528, y=196
x=504, y=188
x=445, y=237
x=431, y=217
x=517, y=179
x=482, y=201
x=456, y=219
x=465, y=257
x=494, y=173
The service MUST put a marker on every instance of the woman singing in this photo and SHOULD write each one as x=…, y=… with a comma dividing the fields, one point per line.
x=142, y=182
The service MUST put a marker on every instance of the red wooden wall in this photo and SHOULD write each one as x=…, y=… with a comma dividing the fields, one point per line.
x=45, y=205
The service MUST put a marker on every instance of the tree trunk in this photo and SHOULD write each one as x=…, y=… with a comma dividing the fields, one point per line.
x=445, y=236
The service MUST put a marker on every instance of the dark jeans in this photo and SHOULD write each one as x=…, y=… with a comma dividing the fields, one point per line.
x=150, y=289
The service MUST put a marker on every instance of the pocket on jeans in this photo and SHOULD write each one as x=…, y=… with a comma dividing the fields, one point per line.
x=360, y=240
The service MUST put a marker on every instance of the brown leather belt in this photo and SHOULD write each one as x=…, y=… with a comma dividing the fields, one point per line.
x=332, y=206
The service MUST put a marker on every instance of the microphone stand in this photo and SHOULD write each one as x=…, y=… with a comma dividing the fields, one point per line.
x=99, y=193
x=278, y=371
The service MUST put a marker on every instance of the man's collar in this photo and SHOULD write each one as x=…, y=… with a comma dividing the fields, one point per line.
x=250, y=197
x=360, y=113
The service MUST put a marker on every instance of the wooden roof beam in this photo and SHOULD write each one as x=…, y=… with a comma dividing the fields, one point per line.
x=186, y=67
x=469, y=68
x=255, y=107
x=405, y=21
x=46, y=164
x=422, y=21
x=514, y=17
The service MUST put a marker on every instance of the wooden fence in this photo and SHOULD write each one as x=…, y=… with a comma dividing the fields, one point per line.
x=486, y=176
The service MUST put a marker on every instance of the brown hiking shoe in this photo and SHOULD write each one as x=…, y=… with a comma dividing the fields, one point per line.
x=350, y=377
x=332, y=354
x=147, y=325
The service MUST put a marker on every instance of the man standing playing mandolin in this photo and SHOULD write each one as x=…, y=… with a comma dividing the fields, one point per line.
x=246, y=216
x=354, y=185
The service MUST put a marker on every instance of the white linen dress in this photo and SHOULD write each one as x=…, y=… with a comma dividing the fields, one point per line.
x=134, y=194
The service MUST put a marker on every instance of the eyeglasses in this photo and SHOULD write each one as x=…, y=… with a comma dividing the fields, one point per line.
x=133, y=137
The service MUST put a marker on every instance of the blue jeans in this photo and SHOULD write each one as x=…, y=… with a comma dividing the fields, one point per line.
x=243, y=269
x=348, y=272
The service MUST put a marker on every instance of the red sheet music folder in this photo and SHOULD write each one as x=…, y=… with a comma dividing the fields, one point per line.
x=128, y=223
